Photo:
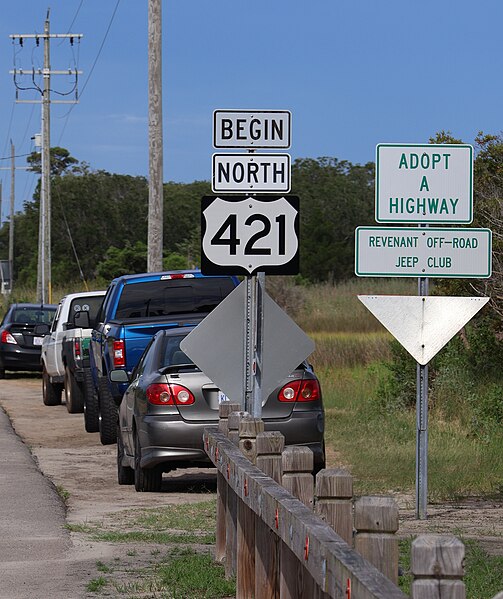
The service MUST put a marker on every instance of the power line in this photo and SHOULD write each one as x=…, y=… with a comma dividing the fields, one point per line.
x=73, y=20
x=91, y=69
x=16, y=156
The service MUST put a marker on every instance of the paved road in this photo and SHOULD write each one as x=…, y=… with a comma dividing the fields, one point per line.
x=33, y=540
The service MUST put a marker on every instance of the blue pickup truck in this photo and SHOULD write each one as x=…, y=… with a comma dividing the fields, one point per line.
x=134, y=308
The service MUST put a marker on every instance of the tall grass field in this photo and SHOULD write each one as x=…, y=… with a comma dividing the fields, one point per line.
x=363, y=433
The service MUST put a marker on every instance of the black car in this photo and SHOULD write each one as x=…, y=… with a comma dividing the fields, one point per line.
x=20, y=347
x=170, y=401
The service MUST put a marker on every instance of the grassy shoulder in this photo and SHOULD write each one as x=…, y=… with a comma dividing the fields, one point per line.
x=168, y=553
x=379, y=446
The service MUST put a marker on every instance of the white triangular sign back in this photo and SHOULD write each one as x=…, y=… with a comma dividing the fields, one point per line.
x=423, y=325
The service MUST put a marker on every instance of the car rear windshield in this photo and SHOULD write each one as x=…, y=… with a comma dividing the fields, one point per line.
x=89, y=304
x=171, y=353
x=33, y=315
x=152, y=299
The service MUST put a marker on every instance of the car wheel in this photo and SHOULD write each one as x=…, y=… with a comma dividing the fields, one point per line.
x=2, y=370
x=145, y=479
x=91, y=407
x=125, y=474
x=108, y=414
x=73, y=394
x=51, y=392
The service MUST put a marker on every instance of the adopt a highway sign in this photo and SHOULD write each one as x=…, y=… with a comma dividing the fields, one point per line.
x=266, y=173
x=445, y=252
x=244, y=235
x=424, y=183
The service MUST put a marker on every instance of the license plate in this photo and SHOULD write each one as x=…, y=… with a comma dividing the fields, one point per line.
x=37, y=340
x=222, y=397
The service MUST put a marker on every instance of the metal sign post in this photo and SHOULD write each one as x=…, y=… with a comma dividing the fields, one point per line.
x=422, y=427
x=254, y=344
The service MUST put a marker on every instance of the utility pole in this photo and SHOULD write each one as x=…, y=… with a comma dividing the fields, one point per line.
x=11, y=221
x=12, y=169
x=44, y=291
x=155, y=188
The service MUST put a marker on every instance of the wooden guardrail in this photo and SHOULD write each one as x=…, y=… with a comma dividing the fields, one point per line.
x=278, y=546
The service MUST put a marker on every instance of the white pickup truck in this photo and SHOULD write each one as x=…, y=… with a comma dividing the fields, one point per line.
x=65, y=350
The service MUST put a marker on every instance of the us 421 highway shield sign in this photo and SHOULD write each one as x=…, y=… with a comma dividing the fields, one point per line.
x=246, y=235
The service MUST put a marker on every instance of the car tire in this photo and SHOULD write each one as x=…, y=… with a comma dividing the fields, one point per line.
x=2, y=370
x=125, y=474
x=91, y=407
x=108, y=414
x=73, y=394
x=51, y=392
x=145, y=479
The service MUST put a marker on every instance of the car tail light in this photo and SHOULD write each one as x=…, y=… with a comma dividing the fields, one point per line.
x=119, y=354
x=160, y=394
x=76, y=349
x=7, y=337
x=300, y=390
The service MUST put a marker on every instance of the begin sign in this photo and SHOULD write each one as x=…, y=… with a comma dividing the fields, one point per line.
x=423, y=252
x=251, y=128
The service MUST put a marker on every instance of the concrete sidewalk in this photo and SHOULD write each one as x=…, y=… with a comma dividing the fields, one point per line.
x=33, y=540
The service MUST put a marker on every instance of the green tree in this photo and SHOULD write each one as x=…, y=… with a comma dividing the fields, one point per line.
x=335, y=198
x=127, y=260
x=60, y=159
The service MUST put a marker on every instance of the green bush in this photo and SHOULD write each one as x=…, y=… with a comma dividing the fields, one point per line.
x=465, y=380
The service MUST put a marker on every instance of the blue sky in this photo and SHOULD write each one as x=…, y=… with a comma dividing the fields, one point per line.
x=354, y=73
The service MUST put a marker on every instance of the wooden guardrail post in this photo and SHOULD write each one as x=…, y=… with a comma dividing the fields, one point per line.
x=232, y=502
x=376, y=522
x=233, y=426
x=245, y=574
x=270, y=446
x=297, y=463
x=224, y=410
x=334, y=501
x=437, y=567
x=249, y=428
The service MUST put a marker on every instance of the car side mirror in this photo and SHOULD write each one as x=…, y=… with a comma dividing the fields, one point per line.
x=119, y=376
x=41, y=329
x=81, y=320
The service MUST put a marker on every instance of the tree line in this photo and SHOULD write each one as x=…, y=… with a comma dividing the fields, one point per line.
x=99, y=219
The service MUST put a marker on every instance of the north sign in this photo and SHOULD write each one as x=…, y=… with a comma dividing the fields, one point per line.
x=429, y=183
x=252, y=129
x=423, y=252
x=245, y=235
x=251, y=173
